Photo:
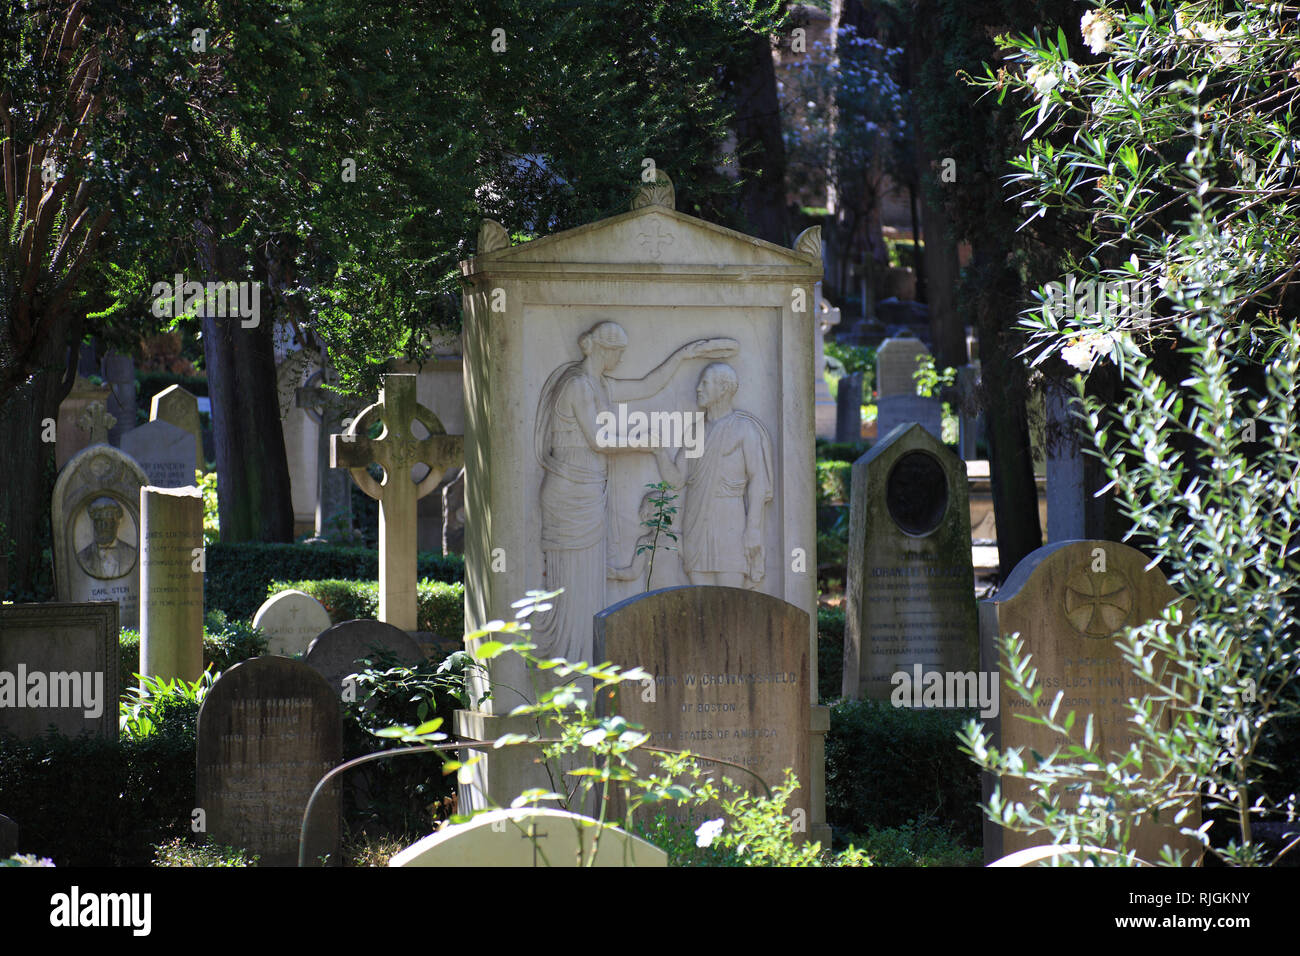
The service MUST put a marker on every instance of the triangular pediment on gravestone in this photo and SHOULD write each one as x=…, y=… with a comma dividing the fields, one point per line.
x=652, y=235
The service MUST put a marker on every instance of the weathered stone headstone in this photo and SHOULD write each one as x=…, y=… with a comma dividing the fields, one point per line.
x=397, y=450
x=291, y=620
x=171, y=583
x=301, y=430
x=119, y=376
x=96, y=519
x=164, y=451
x=848, y=408
x=640, y=323
x=896, y=399
x=1067, y=601
x=970, y=419
x=530, y=836
x=731, y=670
x=178, y=407
x=72, y=431
x=824, y=410
x=268, y=730
x=1068, y=499
x=910, y=585
x=59, y=665
x=333, y=517
x=335, y=652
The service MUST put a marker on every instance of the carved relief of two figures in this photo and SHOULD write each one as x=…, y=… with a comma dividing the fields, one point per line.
x=724, y=482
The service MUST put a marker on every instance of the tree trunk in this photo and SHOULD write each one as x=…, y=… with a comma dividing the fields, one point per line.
x=253, y=497
x=759, y=146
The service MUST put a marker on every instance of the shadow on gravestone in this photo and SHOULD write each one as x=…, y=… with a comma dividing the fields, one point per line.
x=268, y=730
x=530, y=836
x=730, y=670
x=335, y=651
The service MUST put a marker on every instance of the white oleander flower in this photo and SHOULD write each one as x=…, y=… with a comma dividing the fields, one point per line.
x=1096, y=28
x=1042, y=80
x=708, y=832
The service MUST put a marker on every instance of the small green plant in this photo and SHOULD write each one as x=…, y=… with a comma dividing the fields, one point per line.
x=181, y=852
x=158, y=702
x=207, y=484
x=659, y=523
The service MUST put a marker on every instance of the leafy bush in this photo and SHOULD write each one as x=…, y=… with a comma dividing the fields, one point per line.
x=840, y=450
x=830, y=653
x=225, y=644
x=238, y=575
x=182, y=852
x=833, y=480
x=440, y=607
x=917, y=844
x=159, y=702
x=888, y=765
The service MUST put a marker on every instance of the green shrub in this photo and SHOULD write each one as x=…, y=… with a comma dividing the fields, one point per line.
x=181, y=852
x=440, y=607
x=225, y=644
x=888, y=765
x=238, y=575
x=915, y=843
x=830, y=653
x=833, y=480
x=26, y=859
x=840, y=450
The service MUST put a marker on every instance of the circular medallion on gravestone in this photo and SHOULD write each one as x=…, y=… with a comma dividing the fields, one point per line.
x=291, y=620
x=336, y=651
x=1097, y=603
x=916, y=493
x=105, y=537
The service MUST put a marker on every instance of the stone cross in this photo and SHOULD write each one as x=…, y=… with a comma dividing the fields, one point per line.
x=333, y=494
x=96, y=420
x=396, y=451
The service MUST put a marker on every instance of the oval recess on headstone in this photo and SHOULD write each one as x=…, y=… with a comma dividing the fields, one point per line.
x=336, y=651
x=291, y=620
x=916, y=493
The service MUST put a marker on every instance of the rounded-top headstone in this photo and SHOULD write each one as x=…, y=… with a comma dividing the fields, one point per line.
x=530, y=836
x=291, y=620
x=337, y=650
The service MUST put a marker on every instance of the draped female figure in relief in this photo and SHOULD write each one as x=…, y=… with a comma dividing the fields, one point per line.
x=575, y=476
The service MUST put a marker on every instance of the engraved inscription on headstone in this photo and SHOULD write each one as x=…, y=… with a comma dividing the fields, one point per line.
x=730, y=670
x=911, y=586
x=268, y=730
x=291, y=620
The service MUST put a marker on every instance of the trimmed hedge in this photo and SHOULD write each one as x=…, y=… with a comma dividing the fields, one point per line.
x=849, y=451
x=886, y=766
x=238, y=575
x=440, y=607
x=830, y=653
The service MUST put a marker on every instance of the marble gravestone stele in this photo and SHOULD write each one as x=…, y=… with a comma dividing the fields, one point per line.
x=268, y=730
x=592, y=357
x=398, y=450
x=119, y=376
x=333, y=495
x=530, y=836
x=96, y=519
x=291, y=620
x=1068, y=601
x=59, y=665
x=171, y=583
x=72, y=431
x=164, y=451
x=910, y=584
x=337, y=651
x=302, y=429
x=177, y=406
x=730, y=670
x=897, y=360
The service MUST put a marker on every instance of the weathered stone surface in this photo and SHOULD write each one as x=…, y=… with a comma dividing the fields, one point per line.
x=896, y=400
x=291, y=620
x=71, y=432
x=177, y=406
x=530, y=836
x=731, y=673
x=73, y=647
x=268, y=730
x=1068, y=601
x=910, y=585
x=336, y=651
x=96, y=520
x=171, y=583
x=165, y=452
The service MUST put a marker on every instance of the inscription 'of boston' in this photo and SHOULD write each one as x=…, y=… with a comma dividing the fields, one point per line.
x=911, y=587
x=730, y=669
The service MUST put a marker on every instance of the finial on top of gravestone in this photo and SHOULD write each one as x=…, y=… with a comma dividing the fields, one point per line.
x=809, y=242
x=96, y=420
x=658, y=193
x=492, y=236
x=396, y=450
